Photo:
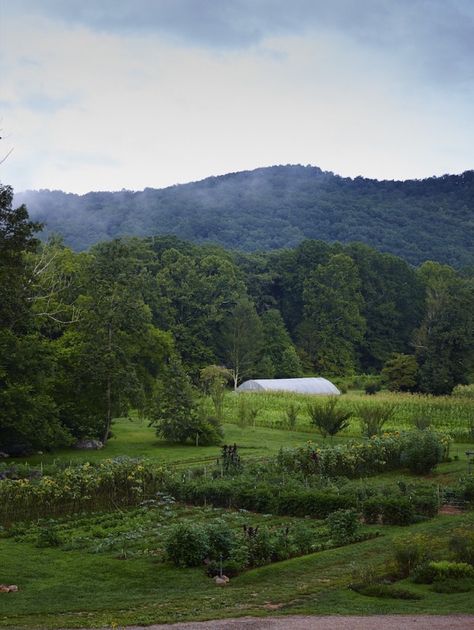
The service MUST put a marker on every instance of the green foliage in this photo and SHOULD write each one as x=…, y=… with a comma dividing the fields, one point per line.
x=333, y=323
x=374, y=417
x=461, y=545
x=453, y=585
x=328, y=417
x=423, y=453
x=445, y=339
x=446, y=569
x=48, y=537
x=385, y=591
x=400, y=373
x=187, y=545
x=411, y=551
x=214, y=378
x=343, y=525
x=178, y=415
x=291, y=416
x=241, y=340
x=397, y=511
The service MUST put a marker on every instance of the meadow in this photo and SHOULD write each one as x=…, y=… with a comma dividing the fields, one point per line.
x=106, y=567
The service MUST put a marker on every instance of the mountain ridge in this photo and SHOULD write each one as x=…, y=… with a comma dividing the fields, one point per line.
x=274, y=207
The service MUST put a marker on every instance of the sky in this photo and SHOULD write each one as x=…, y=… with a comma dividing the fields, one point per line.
x=113, y=94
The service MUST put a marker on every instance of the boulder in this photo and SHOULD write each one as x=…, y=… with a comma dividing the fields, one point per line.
x=93, y=445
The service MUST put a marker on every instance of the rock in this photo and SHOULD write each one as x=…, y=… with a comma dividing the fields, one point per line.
x=3, y=455
x=221, y=581
x=89, y=445
x=13, y=588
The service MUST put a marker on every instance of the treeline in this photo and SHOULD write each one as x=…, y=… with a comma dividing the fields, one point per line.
x=278, y=207
x=132, y=323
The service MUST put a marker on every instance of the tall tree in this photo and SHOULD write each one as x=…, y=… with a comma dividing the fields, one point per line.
x=241, y=340
x=333, y=324
x=28, y=417
x=445, y=339
x=113, y=358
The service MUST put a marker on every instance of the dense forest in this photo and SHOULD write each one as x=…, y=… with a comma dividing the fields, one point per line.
x=278, y=207
x=134, y=323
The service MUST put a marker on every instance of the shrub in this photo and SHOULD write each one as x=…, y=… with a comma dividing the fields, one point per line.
x=462, y=545
x=424, y=573
x=222, y=539
x=445, y=569
x=374, y=417
x=422, y=453
x=372, y=388
x=342, y=525
x=397, y=511
x=426, y=504
x=187, y=545
x=411, y=552
x=452, y=585
x=48, y=537
x=384, y=591
x=328, y=418
x=259, y=545
x=291, y=416
x=371, y=510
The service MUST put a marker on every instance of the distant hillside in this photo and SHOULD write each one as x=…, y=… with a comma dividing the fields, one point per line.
x=277, y=207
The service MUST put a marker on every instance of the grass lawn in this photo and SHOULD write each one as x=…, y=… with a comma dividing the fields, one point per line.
x=70, y=589
x=135, y=438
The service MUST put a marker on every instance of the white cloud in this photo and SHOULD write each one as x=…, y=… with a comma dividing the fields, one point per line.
x=89, y=110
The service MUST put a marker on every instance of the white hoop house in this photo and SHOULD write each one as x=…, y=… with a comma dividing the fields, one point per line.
x=317, y=386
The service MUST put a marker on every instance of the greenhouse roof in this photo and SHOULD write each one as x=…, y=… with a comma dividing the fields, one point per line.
x=310, y=385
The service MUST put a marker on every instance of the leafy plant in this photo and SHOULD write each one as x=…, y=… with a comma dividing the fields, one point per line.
x=374, y=417
x=328, y=418
x=342, y=525
x=187, y=545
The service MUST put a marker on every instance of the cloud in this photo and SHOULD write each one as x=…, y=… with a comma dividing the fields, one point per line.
x=438, y=34
x=103, y=95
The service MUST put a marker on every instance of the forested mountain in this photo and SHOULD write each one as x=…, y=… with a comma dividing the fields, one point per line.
x=142, y=323
x=275, y=207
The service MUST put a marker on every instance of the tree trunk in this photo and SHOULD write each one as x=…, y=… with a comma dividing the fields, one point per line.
x=108, y=421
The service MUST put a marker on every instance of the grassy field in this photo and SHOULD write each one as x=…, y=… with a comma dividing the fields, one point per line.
x=110, y=569
x=452, y=414
x=71, y=589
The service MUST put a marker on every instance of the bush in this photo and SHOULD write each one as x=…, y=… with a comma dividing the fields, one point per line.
x=452, y=585
x=426, y=504
x=372, y=388
x=374, y=417
x=384, y=591
x=424, y=573
x=446, y=570
x=423, y=453
x=222, y=540
x=187, y=545
x=397, y=511
x=48, y=537
x=328, y=418
x=411, y=552
x=371, y=510
x=260, y=547
x=291, y=416
x=462, y=545
x=342, y=525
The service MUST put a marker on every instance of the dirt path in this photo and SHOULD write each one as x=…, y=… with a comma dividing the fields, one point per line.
x=375, y=622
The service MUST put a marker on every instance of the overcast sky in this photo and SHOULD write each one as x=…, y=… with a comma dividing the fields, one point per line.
x=111, y=94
